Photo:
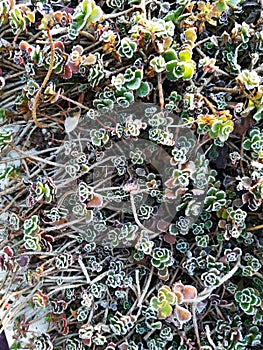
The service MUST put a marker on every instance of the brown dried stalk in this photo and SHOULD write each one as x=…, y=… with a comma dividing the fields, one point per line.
x=50, y=69
x=160, y=89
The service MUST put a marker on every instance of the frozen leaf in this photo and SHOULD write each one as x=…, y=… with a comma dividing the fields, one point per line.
x=185, y=55
x=170, y=55
x=190, y=35
x=2, y=83
x=189, y=71
x=134, y=84
x=95, y=202
x=182, y=314
x=71, y=122
x=165, y=311
x=143, y=90
x=89, y=216
x=189, y=292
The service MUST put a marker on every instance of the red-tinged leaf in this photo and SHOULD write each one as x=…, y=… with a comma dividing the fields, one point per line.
x=12, y=4
x=182, y=314
x=59, y=45
x=179, y=297
x=170, y=183
x=96, y=201
x=49, y=238
x=171, y=239
x=9, y=251
x=242, y=125
x=178, y=287
x=74, y=67
x=245, y=197
x=23, y=261
x=123, y=346
x=78, y=48
x=40, y=299
x=60, y=222
x=65, y=331
x=24, y=45
x=189, y=292
x=67, y=72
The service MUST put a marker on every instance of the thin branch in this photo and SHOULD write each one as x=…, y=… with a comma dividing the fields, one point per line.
x=39, y=159
x=196, y=326
x=160, y=89
x=83, y=268
x=48, y=75
x=74, y=102
x=58, y=227
x=209, y=105
x=67, y=286
x=145, y=289
x=136, y=216
x=254, y=228
x=208, y=335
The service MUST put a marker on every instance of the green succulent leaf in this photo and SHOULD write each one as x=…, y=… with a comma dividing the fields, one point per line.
x=258, y=116
x=170, y=55
x=221, y=5
x=165, y=311
x=143, y=90
x=185, y=55
x=174, y=15
x=188, y=71
x=134, y=84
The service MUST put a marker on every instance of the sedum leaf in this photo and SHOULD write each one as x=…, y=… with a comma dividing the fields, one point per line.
x=143, y=90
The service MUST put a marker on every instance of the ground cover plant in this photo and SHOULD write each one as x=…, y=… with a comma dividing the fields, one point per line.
x=131, y=174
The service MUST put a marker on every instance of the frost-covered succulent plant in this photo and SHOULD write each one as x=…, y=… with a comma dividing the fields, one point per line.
x=145, y=196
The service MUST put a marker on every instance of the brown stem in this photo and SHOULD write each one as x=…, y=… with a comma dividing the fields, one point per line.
x=258, y=227
x=74, y=102
x=196, y=326
x=35, y=100
x=209, y=105
x=231, y=90
x=160, y=89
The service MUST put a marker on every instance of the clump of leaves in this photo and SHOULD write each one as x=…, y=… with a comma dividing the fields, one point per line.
x=96, y=250
x=168, y=298
x=248, y=300
x=86, y=13
x=217, y=127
